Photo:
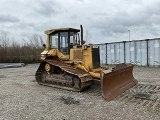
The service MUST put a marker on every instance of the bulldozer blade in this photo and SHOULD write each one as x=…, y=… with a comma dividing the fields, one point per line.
x=116, y=82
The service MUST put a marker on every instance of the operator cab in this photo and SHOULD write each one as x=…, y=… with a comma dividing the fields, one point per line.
x=63, y=39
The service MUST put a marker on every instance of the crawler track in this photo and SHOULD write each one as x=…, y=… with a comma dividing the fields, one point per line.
x=71, y=78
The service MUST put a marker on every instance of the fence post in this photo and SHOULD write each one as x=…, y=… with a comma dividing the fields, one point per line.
x=135, y=52
x=106, y=53
x=147, y=52
x=124, y=42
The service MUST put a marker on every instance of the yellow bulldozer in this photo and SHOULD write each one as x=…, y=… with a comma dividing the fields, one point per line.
x=69, y=63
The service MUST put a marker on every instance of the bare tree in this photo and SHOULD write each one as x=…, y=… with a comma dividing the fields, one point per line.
x=12, y=51
x=4, y=42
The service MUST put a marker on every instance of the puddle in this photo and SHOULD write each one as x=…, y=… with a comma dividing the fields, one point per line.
x=2, y=76
x=69, y=100
x=143, y=96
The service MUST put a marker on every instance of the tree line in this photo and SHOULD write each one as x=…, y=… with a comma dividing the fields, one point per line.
x=12, y=51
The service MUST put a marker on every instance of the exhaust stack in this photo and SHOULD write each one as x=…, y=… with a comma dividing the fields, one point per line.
x=81, y=34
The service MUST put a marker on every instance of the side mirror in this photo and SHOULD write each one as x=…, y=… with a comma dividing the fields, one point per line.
x=44, y=45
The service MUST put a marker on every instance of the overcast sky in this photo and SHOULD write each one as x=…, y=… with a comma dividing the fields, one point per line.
x=105, y=20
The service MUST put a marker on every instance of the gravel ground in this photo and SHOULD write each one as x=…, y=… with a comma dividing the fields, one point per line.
x=21, y=98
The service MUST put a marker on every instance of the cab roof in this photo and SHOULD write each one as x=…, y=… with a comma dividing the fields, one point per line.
x=48, y=32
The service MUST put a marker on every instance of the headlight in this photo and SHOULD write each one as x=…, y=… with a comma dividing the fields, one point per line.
x=43, y=55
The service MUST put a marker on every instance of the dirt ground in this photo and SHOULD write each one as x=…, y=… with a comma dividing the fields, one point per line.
x=21, y=98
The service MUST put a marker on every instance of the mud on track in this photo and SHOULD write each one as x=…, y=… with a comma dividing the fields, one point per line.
x=22, y=98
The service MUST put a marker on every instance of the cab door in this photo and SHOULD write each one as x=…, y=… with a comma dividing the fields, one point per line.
x=64, y=43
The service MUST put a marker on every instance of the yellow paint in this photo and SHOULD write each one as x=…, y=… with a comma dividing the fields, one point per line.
x=81, y=57
x=95, y=75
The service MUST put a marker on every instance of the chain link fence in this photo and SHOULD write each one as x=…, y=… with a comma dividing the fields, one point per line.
x=139, y=52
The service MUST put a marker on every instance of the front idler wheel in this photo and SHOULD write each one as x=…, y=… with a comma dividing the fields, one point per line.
x=48, y=67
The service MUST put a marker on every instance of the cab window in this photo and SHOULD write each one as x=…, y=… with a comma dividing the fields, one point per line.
x=74, y=38
x=54, y=40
